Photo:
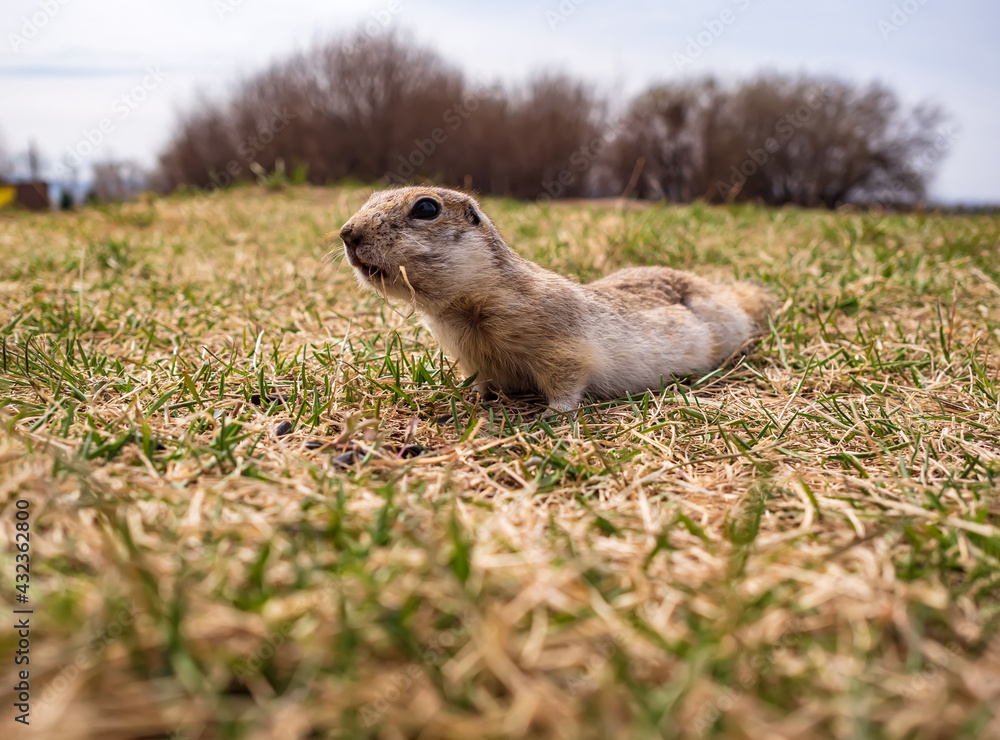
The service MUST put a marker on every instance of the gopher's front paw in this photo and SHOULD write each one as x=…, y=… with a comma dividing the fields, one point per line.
x=565, y=404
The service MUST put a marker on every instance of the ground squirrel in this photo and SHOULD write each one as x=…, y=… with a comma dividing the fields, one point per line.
x=521, y=328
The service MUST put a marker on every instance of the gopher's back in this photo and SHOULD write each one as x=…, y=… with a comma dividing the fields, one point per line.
x=661, y=322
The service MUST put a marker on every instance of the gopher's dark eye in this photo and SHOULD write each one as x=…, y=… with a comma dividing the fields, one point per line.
x=425, y=208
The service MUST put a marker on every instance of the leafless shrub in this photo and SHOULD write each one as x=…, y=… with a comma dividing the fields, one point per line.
x=351, y=108
x=660, y=137
x=775, y=139
x=547, y=138
x=376, y=107
x=200, y=149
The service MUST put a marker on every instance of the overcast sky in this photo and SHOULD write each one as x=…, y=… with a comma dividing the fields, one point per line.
x=65, y=65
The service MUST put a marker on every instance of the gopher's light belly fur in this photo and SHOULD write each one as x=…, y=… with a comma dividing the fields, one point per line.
x=519, y=327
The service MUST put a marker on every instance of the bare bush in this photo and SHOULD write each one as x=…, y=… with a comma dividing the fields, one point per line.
x=346, y=109
x=548, y=137
x=659, y=141
x=380, y=108
x=775, y=139
x=202, y=148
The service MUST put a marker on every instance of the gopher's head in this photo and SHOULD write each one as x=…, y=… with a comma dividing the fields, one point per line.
x=430, y=245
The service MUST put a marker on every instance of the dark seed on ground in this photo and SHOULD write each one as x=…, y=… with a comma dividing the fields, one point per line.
x=411, y=451
x=348, y=458
x=283, y=428
x=255, y=399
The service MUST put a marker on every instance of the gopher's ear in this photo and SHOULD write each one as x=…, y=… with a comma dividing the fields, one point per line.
x=472, y=216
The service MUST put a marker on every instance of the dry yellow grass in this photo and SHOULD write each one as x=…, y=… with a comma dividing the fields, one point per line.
x=804, y=544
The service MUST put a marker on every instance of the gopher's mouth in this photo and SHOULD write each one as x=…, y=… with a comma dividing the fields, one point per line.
x=372, y=272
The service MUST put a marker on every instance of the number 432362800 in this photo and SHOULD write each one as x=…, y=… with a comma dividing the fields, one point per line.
x=22, y=540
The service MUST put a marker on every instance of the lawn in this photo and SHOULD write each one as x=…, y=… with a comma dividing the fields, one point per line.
x=261, y=503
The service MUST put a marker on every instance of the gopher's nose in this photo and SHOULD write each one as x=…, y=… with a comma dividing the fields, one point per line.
x=350, y=235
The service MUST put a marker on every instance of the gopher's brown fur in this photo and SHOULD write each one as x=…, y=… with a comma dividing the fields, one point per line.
x=519, y=327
